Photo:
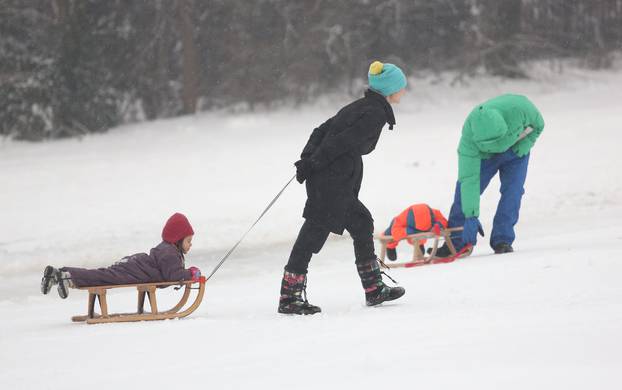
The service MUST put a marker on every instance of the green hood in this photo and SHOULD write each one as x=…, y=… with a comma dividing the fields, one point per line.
x=490, y=130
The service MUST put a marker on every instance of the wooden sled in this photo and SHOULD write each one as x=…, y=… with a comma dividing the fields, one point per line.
x=144, y=289
x=419, y=258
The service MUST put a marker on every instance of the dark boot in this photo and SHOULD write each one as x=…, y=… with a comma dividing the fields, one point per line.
x=293, y=286
x=422, y=249
x=376, y=291
x=49, y=279
x=503, y=247
x=64, y=283
x=392, y=254
x=442, y=252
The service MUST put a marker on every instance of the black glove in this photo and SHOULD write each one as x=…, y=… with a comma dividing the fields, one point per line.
x=304, y=168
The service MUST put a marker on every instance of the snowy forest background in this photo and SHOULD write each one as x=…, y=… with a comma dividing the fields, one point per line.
x=70, y=67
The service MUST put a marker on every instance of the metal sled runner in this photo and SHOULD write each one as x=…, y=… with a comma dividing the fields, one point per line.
x=146, y=289
x=420, y=258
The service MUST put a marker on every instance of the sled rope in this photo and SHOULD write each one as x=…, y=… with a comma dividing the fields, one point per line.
x=251, y=228
x=384, y=273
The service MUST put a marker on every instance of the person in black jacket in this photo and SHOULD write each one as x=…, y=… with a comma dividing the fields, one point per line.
x=332, y=165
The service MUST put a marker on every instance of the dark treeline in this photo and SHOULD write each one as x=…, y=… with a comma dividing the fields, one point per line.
x=69, y=67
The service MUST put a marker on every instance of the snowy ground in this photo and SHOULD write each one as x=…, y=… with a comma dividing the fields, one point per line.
x=547, y=316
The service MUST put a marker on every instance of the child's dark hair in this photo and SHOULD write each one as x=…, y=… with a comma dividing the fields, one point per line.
x=180, y=247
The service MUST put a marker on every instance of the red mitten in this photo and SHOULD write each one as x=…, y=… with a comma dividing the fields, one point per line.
x=196, y=273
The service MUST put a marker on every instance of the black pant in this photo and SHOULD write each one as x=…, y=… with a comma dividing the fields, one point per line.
x=312, y=237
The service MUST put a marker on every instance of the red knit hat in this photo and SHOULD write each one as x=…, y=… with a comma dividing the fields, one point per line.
x=177, y=227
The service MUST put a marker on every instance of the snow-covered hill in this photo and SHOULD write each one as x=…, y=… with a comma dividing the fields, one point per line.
x=547, y=316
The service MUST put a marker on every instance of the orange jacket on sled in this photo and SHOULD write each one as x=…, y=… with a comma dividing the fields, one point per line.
x=417, y=218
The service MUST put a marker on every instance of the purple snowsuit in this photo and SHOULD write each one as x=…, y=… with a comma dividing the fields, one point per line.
x=164, y=263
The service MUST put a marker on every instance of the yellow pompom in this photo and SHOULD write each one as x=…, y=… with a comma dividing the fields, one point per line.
x=376, y=67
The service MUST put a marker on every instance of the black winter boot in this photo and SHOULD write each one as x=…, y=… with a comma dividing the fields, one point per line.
x=392, y=254
x=503, y=247
x=64, y=283
x=49, y=279
x=376, y=291
x=422, y=249
x=293, y=286
x=441, y=252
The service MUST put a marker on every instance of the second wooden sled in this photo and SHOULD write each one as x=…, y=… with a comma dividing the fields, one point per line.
x=98, y=293
x=419, y=258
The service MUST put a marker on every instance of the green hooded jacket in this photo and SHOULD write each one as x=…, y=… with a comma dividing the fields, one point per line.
x=493, y=127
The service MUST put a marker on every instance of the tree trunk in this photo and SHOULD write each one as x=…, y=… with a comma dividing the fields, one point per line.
x=501, y=24
x=190, y=88
x=61, y=10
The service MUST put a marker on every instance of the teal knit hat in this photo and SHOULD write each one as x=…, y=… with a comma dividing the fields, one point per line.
x=386, y=79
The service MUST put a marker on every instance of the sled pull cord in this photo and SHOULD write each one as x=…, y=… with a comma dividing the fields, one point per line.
x=251, y=228
x=382, y=263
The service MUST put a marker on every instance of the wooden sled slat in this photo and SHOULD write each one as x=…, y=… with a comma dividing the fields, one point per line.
x=419, y=258
x=181, y=303
x=144, y=290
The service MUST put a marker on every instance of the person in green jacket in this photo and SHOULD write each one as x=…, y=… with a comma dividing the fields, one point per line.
x=497, y=136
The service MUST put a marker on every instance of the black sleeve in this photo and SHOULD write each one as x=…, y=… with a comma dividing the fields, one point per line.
x=315, y=139
x=368, y=126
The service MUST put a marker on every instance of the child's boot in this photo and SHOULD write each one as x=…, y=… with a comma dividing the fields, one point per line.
x=48, y=280
x=376, y=291
x=293, y=286
x=442, y=252
x=64, y=283
x=392, y=254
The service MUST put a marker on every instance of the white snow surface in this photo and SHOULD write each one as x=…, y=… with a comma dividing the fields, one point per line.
x=545, y=317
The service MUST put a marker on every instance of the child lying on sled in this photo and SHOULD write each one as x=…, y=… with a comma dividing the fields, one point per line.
x=164, y=263
x=418, y=218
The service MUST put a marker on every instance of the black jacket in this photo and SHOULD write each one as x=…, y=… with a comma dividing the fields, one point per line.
x=334, y=151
